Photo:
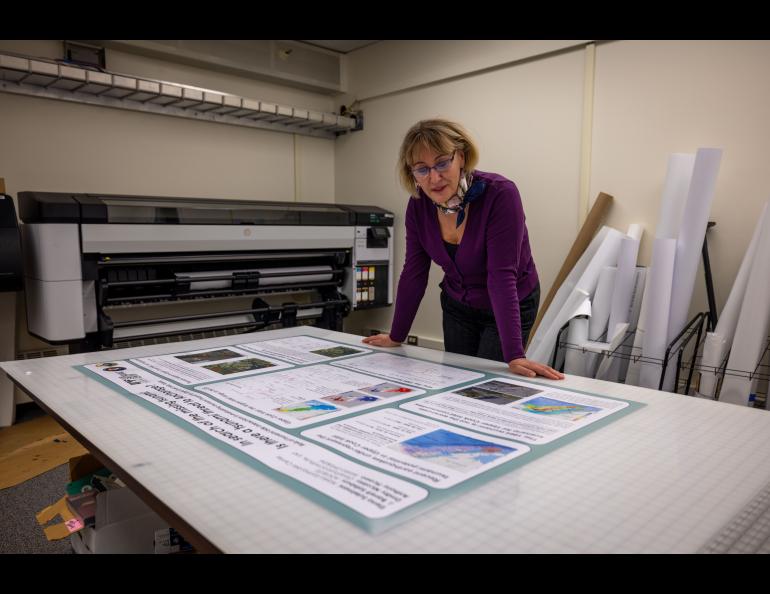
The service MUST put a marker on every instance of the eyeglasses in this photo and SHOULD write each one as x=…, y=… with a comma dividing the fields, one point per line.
x=440, y=167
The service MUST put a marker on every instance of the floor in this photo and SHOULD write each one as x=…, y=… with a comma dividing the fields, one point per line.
x=19, y=530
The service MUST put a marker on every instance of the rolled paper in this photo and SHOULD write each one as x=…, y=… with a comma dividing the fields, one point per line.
x=689, y=243
x=602, y=252
x=753, y=325
x=718, y=343
x=584, y=238
x=655, y=336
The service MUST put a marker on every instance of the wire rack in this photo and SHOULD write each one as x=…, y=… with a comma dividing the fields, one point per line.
x=685, y=352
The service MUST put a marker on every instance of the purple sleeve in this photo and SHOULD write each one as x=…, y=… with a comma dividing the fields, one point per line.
x=413, y=280
x=505, y=232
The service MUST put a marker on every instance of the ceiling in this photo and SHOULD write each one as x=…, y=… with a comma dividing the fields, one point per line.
x=343, y=46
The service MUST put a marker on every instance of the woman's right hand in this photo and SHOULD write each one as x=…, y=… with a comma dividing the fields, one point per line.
x=380, y=340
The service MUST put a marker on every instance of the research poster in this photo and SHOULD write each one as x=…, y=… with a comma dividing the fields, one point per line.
x=374, y=432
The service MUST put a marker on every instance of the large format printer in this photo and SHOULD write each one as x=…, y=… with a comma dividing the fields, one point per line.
x=103, y=270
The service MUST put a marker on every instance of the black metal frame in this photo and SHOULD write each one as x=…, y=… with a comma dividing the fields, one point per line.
x=693, y=326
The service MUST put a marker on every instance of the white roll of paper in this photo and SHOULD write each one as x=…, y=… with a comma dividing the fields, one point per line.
x=564, y=292
x=655, y=336
x=619, y=370
x=675, y=190
x=603, y=251
x=635, y=365
x=689, y=244
x=753, y=324
x=602, y=303
x=714, y=350
x=719, y=342
x=600, y=314
x=613, y=348
x=624, y=280
x=574, y=359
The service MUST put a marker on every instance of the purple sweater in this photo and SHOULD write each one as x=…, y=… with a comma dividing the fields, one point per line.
x=492, y=268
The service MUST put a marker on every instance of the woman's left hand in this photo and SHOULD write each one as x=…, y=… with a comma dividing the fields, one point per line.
x=531, y=369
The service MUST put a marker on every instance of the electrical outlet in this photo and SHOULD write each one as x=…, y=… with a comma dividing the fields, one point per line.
x=411, y=339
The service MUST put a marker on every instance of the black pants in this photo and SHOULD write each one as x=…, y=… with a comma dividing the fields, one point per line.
x=472, y=331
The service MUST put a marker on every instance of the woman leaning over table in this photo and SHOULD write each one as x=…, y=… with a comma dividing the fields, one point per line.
x=472, y=224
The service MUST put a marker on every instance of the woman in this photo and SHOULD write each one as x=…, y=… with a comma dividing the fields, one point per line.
x=471, y=224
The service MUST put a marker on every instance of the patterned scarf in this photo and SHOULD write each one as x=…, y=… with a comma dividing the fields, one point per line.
x=458, y=202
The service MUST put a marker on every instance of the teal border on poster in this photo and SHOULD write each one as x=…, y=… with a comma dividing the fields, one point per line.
x=435, y=496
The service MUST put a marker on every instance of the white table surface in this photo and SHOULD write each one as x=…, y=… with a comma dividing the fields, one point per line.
x=664, y=479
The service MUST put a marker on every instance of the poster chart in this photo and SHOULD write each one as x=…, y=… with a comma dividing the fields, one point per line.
x=514, y=409
x=303, y=350
x=366, y=491
x=305, y=395
x=354, y=435
x=414, y=372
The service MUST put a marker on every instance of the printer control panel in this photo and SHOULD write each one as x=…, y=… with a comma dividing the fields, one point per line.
x=372, y=267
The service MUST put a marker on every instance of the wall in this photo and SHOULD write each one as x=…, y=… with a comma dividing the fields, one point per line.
x=394, y=66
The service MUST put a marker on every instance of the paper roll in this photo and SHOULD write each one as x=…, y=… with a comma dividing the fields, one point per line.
x=582, y=241
x=602, y=302
x=560, y=298
x=574, y=359
x=635, y=365
x=602, y=252
x=626, y=275
x=753, y=324
x=543, y=351
x=719, y=342
x=714, y=350
x=620, y=372
x=675, y=190
x=656, y=337
x=618, y=337
x=600, y=314
x=689, y=245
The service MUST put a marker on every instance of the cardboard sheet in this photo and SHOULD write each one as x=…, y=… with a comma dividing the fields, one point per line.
x=31, y=448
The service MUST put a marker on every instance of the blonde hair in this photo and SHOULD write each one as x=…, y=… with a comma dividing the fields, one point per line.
x=439, y=135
